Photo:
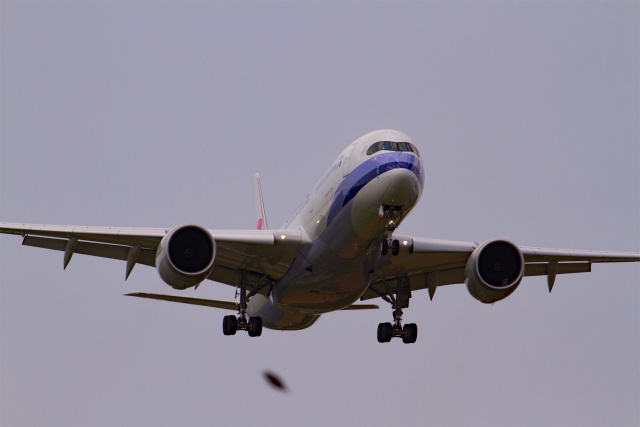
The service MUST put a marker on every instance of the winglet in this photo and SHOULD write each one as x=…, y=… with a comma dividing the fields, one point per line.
x=258, y=204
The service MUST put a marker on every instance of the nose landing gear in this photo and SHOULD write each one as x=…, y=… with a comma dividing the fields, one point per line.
x=392, y=213
x=394, y=245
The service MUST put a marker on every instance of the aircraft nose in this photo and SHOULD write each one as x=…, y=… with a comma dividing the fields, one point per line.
x=403, y=188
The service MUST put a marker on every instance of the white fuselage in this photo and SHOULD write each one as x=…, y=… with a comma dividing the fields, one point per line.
x=342, y=224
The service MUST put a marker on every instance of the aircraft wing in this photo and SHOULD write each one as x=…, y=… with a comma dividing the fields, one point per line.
x=430, y=263
x=261, y=252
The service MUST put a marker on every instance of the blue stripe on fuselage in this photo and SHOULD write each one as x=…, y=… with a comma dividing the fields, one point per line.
x=369, y=170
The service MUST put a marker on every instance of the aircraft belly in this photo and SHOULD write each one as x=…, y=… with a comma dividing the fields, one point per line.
x=330, y=273
x=320, y=296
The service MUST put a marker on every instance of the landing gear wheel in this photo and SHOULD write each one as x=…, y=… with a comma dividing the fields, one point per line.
x=399, y=299
x=410, y=331
x=395, y=248
x=229, y=325
x=385, y=332
x=385, y=247
x=255, y=326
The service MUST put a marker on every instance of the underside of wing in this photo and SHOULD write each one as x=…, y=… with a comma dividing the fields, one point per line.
x=268, y=259
x=429, y=263
x=261, y=254
x=420, y=261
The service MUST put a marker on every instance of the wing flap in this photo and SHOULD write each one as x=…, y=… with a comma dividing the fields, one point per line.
x=45, y=243
x=542, y=268
x=102, y=250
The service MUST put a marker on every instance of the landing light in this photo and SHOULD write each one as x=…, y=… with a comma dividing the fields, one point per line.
x=283, y=237
x=405, y=242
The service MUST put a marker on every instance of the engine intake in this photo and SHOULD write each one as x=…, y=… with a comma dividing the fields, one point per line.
x=185, y=256
x=494, y=270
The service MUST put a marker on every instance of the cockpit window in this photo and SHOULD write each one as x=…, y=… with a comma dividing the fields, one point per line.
x=404, y=146
x=392, y=146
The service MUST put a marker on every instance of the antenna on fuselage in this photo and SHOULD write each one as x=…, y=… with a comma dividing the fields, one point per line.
x=259, y=214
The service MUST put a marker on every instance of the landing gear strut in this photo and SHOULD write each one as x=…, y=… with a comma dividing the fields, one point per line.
x=386, y=331
x=391, y=212
x=231, y=324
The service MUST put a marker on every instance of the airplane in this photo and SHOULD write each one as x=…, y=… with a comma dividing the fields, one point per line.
x=338, y=249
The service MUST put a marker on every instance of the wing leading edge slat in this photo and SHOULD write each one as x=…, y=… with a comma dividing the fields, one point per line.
x=532, y=254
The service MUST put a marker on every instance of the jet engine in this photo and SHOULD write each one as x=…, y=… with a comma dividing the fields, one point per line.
x=185, y=256
x=494, y=270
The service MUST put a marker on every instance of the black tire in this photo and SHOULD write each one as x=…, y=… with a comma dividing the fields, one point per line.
x=388, y=331
x=395, y=248
x=385, y=332
x=380, y=335
x=229, y=325
x=384, y=248
x=225, y=325
x=411, y=333
x=255, y=324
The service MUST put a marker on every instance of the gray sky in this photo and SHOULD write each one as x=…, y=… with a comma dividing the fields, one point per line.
x=157, y=113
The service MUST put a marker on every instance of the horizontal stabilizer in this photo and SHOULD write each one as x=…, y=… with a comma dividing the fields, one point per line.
x=361, y=307
x=227, y=305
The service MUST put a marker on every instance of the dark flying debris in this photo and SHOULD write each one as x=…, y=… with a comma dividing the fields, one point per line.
x=275, y=381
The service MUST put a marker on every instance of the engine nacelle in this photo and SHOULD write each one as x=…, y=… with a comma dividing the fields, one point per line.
x=494, y=270
x=185, y=256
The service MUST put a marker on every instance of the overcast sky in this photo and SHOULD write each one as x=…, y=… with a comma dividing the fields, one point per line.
x=157, y=113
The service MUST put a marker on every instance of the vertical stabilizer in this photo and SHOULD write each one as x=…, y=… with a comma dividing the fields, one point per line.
x=258, y=204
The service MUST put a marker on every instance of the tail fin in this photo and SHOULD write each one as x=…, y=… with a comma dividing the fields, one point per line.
x=258, y=204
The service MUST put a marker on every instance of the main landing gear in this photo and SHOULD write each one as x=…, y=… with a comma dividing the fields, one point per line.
x=391, y=212
x=231, y=324
x=408, y=332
